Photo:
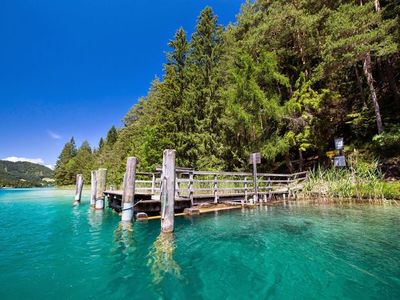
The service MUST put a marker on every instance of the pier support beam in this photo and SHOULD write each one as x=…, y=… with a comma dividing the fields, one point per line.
x=101, y=177
x=93, y=187
x=168, y=191
x=128, y=194
x=78, y=190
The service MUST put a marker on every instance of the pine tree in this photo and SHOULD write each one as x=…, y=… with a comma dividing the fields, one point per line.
x=64, y=173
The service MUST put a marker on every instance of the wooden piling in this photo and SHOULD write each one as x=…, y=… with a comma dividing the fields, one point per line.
x=93, y=188
x=168, y=191
x=78, y=190
x=101, y=177
x=128, y=194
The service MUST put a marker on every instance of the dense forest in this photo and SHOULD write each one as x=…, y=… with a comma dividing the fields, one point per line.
x=285, y=79
x=24, y=174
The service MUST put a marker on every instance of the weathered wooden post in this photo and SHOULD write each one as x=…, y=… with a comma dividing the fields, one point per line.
x=128, y=194
x=93, y=187
x=191, y=187
x=215, y=189
x=153, y=184
x=78, y=190
x=255, y=158
x=269, y=188
x=168, y=191
x=245, y=189
x=288, y=186
x=101, y=177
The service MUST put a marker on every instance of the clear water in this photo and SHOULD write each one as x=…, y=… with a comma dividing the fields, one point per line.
x=51, y=250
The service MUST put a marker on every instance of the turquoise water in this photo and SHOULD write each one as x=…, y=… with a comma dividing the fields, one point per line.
x=51, y=250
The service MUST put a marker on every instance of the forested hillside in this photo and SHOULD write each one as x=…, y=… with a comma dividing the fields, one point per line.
x=23, y=174
x=285, y=79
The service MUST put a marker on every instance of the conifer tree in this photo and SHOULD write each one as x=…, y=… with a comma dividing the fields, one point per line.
x=64, y=173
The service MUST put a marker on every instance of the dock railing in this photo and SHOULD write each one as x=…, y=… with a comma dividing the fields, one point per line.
x=192, y=184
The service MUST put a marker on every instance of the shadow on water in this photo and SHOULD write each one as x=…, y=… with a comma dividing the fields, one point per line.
x=161, y=258
x=297, y=229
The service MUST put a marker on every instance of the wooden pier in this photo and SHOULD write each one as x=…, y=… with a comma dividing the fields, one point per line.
x=197, y=188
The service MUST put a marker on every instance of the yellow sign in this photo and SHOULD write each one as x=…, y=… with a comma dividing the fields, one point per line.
x=330, y=154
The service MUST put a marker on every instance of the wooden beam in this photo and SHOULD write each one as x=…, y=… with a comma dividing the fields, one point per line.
x=128, y=194
x=168, y=191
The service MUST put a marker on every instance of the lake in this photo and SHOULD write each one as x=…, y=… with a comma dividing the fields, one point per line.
x=51, y=250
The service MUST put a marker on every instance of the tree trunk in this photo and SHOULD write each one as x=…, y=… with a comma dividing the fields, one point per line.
x=370, y=81
x=301, y=160
x=377, y=5
x=288, y=162
x=391, y=80
x=359, y=84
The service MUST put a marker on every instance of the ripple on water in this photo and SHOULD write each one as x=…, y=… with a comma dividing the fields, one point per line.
x=50, y=248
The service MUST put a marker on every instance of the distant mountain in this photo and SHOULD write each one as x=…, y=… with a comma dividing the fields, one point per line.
x=24, y=174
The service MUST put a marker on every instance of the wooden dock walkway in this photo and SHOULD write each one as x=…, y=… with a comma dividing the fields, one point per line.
x=171, y=190
x=194, y=188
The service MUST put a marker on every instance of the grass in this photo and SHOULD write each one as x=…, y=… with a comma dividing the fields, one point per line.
x=360, y=180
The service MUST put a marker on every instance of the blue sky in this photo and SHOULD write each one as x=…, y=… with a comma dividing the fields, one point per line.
x=74, y=68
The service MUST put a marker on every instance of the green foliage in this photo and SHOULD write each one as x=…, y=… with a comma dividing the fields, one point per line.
x=388, y=143
x=362, y=180
x=284, y=80
x=24, y=174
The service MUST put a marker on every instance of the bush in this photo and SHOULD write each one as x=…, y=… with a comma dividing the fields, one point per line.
x=388, y=142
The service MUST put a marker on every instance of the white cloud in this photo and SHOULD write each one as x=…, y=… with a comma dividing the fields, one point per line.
x=38, y=161
x=54, y=135
x=52, y=167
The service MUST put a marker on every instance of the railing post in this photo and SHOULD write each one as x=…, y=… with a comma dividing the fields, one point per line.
x=153, y=184
x=288, y=186
x=101, y=177
x=269, y=188
x=245, y=189
x=78, y=190
x=191, y=188
x=255, y=200
x=215, y=189
x=128, y=194
x=177, y=185
x=168, y=191
x=93, y=187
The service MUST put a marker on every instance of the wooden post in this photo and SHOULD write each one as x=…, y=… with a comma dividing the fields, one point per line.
x=153, y=184
x=168, y=191
x=269, y=189
x=191, y=188
x=288, y=186
x=101, y=177
x=78, y=190
x=177, y=185
x=215, y=189
x=245, y=189
x=128, y=194
x=93, y=185
x=255, y=182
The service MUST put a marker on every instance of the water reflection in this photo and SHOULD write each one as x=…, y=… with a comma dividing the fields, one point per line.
x=95, y=218
x=123, y=235
x=76, y=221
x=161, y=258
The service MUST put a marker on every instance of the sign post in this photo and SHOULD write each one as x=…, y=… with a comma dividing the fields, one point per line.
x=255, y=159
x=340, y=160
